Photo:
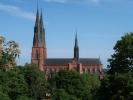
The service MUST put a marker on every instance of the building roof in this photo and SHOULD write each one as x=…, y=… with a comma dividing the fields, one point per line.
x=58, y=61
x=64, y=61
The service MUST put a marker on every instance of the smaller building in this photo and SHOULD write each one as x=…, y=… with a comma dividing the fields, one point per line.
x=48, y=65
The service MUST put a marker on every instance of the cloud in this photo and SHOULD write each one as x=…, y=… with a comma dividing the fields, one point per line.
x=58, y=1
x=73, y=1
x=14, y=10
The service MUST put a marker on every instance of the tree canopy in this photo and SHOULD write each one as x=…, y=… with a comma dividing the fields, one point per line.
x=73, y=85
x=122, y=59
x=118, y=82
x=8, y=53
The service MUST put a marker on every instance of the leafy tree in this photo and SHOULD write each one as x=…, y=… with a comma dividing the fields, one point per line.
x=72, y=85
x=37, y=84
x=118, y=83
x=4, y=96
x=116, y=87
x=8, y=53
x=3, y=87
x=23, y=83
x=61, y=94
x=92, y=82
x=122, y=60
x=16, y=83
x=23, y=98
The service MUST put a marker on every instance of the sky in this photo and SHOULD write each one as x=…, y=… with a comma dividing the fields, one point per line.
x=99, y=24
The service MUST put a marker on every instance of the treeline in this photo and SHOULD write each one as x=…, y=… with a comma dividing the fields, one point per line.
x=28, y=83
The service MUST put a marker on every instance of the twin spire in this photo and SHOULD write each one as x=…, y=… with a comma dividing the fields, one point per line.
x=39, y=31
x=39, y=35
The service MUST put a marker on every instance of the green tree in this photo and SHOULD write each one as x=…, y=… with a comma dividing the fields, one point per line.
x=116, y=87
x=8, y=53
x=12, y=84
x=37, y=84
x=4, y=96
x=3, y=87
x=16, y=84
x=118, y=83
x=72, y=85
x=122, y=60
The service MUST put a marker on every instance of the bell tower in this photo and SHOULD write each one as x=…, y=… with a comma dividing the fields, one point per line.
x=39, y=50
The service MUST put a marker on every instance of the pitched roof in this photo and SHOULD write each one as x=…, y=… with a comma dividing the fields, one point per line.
x=90, y=61
x=59, y=61
x=64, y=61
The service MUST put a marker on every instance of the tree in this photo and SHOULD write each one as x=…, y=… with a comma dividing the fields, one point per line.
x=23, y=83
x=122, y=60
x=37, y=85
x=8, y=53
x=72, y=85
x=16, y=84
x=118, y=83
x=3, y=87
x=116, y=87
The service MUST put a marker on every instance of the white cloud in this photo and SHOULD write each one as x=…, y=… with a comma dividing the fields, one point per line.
x=14, y=10
x=58, y=1
x=74, y=1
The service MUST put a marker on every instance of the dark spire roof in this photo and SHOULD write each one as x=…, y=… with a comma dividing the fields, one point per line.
x=76, y=40
x=36, y=30
x=41, y=19
x=39, y=31
x=76, y=48
x=37, y=18
x=42, y=30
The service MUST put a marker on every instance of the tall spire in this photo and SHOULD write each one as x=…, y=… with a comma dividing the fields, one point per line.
x=76, y=40
x=41, y=19
x=76, y=48
x=42, y=30
x=37, y=17
x=36, y=29
x=39, y=51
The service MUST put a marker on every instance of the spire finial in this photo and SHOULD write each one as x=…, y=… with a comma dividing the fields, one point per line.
x=76, y=31
x=37, y=4
x=37, y=16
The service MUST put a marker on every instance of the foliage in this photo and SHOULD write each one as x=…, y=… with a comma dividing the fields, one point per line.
x=71, y=84
x=36, y=82
x=17, y=85
x=122, y=60
x=118, y=83
x=117, y=87
x=8, y=53
x=23, y=83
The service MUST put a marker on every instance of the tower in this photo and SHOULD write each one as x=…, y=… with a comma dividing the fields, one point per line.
x=76, y=49
x=39, y=51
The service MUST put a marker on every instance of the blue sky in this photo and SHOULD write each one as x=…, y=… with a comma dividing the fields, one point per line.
x=100, y=23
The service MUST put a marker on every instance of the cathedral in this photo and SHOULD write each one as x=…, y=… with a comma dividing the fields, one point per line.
x=48, y=65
